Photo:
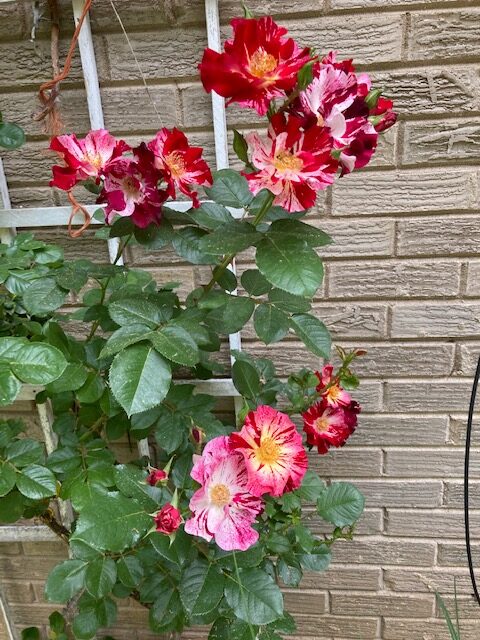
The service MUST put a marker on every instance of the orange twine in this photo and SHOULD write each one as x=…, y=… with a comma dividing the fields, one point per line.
x=76, y=208
x=48, y=91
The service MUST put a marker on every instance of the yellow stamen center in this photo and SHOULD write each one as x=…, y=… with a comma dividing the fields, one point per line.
x=285, y=161
x=268, y=452
x=220, y=495
x=130, y=187
x=334, y=392
x=95, y=160
x=321, y=425
x=262, y=63
x=320, y=120
x=176, y=164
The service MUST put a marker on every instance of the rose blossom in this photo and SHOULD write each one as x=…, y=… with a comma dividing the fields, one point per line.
x=156, y=476
x=168, y=519
x=328, y=426
x=259, y=64
x=223, y=509
x=87, y=158
x=274, y=455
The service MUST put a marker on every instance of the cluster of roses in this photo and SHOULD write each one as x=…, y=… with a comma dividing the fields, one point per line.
x=135, y=185
x=325, y=129
x=333, y=123
x=266, y=457
x=333, y=419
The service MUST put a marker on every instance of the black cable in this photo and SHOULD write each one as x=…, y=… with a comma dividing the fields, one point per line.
x=465, y=480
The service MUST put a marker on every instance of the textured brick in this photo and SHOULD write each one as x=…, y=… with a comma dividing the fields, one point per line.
x=354, y=462
x=434, y=90
x=429, y=463
x=382, y=552
x=442, y=523
x=405, y=192
x=441, y=141
x=344, y=577
x=388, y=493
x=380, y=604
x=401, y=430
x=393, y=279
x=453, y=493
x=370, y=524
x=358, y=238
x=453, y=554
x=13, y=20
x=309, y=602
x=337, y=626
x=21, y=592
x=473, y=279
x=420, y=580
x=443, y=396
x=444, y=35
x=353, y=320
x=405, y=629
x=429, y=319
x=435, y=236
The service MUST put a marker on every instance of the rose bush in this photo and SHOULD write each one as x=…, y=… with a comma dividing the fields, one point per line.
x=205, y=529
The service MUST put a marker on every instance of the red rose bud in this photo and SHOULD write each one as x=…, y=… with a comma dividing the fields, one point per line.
x=198, y=435
x=387, y=121
x=168, y=519
x=156, y=477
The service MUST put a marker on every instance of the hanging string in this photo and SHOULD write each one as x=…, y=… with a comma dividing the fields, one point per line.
x=77, y=208
x=48, y=92
x=466, y=505
x=144, y=79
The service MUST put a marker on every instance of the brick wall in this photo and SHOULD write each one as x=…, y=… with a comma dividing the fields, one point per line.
x=402, y=280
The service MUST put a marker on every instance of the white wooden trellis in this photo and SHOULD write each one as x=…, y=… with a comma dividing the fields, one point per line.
x=11, y=218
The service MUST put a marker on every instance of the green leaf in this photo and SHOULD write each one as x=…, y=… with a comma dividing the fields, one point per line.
x=230, y=238
x=31, y=633
x=232, y=315
x=139, y=378
x=257, y=600
x=201, y=588
x=211, y=215
x=7, y=477
x=311, y=487
x=49, y=255
x=305, y=75
x=56, y=622
x=38, y=363
x=9, y=387
x=135, y=311
x=155, y=237
x=187, y=244
x=130, y=481
x=299, y=231
x=452, y=629
x=43, y=296
x=290, y=265
x=11, y=136
x=166, y=607
x=240, y=146
x=111, y=522
x=246, y=379
x=270, y=323
x=229, y=189
x=254, y=283
x=25, y=451
x=289, y=571
x=130, y=571
x=72, y=378
x=11, y=507
x=71, y=276
x=65, y=580
x=341, y=504
x=288, y=302
x=313, y=333
x=92, y=390
x=36, y=482
x=100, y=577
x=123, y=338
x=318, y=560
x=176, y=344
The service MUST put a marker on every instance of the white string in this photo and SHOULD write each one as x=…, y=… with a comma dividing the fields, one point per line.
x=144, y=80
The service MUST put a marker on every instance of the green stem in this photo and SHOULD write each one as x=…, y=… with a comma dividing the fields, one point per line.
x=221, y=268
x=237, y=574
x=104, y=287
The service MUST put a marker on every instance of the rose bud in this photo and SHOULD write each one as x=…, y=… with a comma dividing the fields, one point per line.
x=168, y=519
x=156, y=477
